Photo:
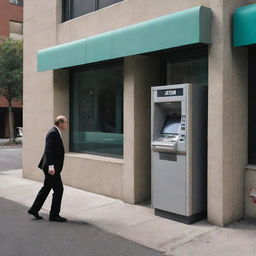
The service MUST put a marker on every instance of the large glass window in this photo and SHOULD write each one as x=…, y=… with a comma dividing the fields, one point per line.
x=76, y=8
x=252, y=107
x=97, y=110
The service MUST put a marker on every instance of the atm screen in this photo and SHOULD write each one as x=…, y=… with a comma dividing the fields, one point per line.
x=171, y=124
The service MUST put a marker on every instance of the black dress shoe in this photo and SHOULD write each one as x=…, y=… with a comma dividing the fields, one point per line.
x=58, y=218
x=35, y=214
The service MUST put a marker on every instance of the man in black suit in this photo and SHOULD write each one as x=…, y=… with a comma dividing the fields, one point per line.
x=51, y=163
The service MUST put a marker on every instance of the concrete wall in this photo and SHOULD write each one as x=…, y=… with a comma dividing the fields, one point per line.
x=140, y=74
x=227, y=137
x=227, y=120
x=39, y=32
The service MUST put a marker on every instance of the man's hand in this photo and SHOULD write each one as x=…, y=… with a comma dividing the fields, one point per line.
x=51, y=171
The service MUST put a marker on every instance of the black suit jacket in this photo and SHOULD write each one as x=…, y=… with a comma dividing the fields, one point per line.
x=54, y=151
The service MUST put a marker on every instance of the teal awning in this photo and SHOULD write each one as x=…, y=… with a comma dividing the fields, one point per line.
x=182, y=28
x=244, y=25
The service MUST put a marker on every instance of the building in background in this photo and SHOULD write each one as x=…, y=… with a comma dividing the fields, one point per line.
x=96, y=61
x=11, y=25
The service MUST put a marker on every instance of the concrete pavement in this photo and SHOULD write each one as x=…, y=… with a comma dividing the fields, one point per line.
x=22, y=235
x=137, y=222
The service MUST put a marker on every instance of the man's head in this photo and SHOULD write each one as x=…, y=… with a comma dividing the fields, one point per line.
x=61, y=122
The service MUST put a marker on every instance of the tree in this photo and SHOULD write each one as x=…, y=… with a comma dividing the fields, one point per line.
x=11, y=74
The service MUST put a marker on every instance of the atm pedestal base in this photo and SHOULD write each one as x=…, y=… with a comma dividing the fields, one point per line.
x=184, y=219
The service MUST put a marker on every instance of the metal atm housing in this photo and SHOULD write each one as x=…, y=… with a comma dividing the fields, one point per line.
x=179, y=151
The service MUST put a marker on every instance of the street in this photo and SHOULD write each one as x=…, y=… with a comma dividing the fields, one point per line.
x=10, y=158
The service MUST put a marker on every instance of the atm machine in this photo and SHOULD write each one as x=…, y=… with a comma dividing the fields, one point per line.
x=179, y=151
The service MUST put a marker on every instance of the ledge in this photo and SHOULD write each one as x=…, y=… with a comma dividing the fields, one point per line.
x=95, y=157
x=250, y=167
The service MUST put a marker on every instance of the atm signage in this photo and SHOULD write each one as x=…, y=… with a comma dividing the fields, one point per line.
x=170, y=92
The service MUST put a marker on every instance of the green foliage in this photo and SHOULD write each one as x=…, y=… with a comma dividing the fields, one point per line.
x=11, y=68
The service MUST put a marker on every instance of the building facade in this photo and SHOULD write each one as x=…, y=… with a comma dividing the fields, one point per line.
x=11, y=25
x=96, y=61
x=4, y=116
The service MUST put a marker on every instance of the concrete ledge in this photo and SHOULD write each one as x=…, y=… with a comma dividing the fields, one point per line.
x=250, y=167
x=95, y=157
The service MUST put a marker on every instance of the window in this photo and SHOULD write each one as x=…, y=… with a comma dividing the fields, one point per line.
x=189, y=66
x=17, y=2
x=16, y=29
x=76, y=8
x=252, y=107
x=96, y=110
x=81, y=7
x=105, y=3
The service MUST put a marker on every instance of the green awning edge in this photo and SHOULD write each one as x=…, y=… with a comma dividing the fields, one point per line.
x=244, y=26
x=182, y=28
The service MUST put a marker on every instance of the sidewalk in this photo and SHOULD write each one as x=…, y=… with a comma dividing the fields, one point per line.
x=137, y=222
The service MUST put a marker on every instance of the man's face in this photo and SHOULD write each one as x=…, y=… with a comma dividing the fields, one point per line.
x=64, y=125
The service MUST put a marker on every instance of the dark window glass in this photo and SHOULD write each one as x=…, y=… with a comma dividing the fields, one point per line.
x=252, y=107
x=105, y=3
x=81, y=7
x=76, y=8
x=188, y=67
x=97, y=111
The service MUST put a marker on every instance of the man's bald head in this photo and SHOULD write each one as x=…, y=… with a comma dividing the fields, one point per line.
x=61, y=122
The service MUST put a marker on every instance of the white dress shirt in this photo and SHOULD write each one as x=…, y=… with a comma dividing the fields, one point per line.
x=58, y=130
x=52, y=166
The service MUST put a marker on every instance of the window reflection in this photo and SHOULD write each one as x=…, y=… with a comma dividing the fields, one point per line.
x=97, y=111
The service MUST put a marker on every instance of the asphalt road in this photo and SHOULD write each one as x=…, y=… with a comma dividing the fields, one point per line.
x=21, y=235
x=10, y=158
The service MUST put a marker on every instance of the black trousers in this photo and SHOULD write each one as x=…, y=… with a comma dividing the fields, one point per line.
x=50, y=182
